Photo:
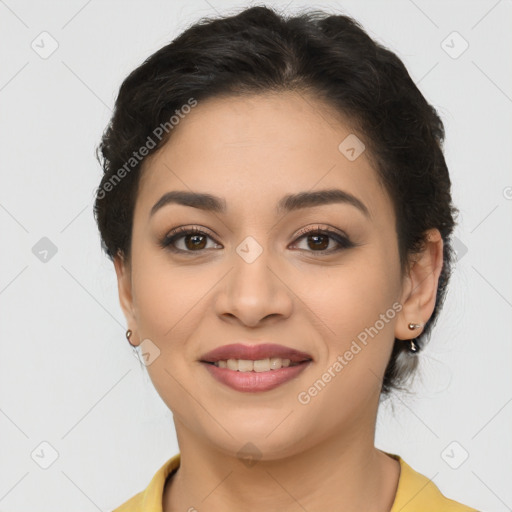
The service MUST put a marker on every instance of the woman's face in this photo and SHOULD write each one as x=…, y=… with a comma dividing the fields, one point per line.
x=252, y=277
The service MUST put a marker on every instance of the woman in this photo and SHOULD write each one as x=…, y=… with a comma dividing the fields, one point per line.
x=277, y=207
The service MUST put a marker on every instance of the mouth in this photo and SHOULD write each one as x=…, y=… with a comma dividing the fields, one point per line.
x=260, y=365
x=262, y=355
x=255, y=368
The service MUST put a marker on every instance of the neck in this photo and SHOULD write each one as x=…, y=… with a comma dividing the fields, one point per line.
x=342, y=473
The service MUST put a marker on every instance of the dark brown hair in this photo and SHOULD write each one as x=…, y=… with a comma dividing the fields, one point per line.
x=259, y=51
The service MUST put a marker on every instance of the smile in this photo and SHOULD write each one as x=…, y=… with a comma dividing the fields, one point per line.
x=255, y=376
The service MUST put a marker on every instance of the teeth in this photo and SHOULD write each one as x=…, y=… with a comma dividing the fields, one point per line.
x=261, y=365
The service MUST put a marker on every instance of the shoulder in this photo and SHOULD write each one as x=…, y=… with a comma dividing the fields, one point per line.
x=150, y=499
x=417, y=493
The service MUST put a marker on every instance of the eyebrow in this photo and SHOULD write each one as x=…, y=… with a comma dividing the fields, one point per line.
x=286, y=204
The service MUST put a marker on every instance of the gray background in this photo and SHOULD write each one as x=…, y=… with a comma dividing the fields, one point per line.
x=69, y=378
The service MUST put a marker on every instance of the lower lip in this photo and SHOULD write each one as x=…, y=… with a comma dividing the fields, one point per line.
x=255, y=381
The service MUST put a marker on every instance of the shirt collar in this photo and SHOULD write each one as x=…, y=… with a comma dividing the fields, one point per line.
x=413, y=490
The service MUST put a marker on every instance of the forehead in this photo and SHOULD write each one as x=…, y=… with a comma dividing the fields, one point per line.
x=260, y=148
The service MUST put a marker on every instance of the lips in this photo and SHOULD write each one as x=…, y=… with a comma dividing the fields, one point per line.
x=254, y=353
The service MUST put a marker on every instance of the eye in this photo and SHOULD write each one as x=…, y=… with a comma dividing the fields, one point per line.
x=319, y=239
x=194, y=240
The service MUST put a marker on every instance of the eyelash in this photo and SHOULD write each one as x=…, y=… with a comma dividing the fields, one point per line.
x=343, y=241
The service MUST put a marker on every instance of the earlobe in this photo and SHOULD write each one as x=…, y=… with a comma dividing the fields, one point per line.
x=124, y=288
x=420, y=287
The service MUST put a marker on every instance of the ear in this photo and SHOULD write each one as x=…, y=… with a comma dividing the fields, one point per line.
x=124, y=287
x=420, y=287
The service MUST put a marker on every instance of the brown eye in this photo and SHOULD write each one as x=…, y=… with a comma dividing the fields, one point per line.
x=194, y=240
x=318, y=240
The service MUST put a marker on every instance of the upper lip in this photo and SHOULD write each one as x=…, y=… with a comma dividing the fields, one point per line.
x=254, y=353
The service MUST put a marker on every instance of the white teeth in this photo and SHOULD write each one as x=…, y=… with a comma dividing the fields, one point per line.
x=232, y=364
x=261, y=365
x=245, y=365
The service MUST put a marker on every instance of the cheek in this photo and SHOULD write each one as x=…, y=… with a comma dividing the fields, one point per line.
x=163, y=294
x=166, y=301
x=356, y=305
x=352, y=296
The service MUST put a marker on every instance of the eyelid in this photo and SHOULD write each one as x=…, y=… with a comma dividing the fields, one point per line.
x=321, y=228
x=339, y=236
x=182, y=231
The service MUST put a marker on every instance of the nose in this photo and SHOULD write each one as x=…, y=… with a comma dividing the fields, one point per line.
x=254, y=291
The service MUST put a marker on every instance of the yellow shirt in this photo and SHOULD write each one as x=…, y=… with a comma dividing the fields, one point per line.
x=415, y=492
